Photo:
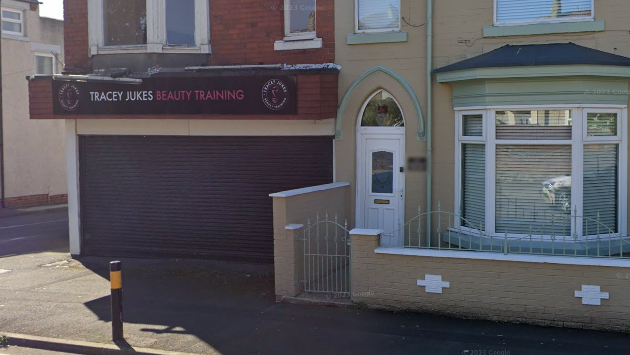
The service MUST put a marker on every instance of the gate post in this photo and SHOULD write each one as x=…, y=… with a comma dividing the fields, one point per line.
x=362, y=245
x=285, y=251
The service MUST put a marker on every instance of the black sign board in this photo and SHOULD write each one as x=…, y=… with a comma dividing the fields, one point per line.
x=225, y=95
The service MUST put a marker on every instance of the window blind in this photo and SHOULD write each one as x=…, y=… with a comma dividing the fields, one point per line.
x=541, y=10
x=474, y=185
x=600, y=187
x=534, y=125
x=533, y=189
x=473, y=125
x=378, y=14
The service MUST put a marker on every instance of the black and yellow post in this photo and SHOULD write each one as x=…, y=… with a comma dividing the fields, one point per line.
x=115, y=278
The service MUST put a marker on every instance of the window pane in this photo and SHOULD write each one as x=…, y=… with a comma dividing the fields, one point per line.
x=379, y=14
x=125, y=22
x=11, y=26
x=180, y=22
x=43, y=65
x=382, y=110
x=302, y=16
x=533, y=189
x=474, y=185
x=473, y=125
x=11, y=15
x=540, y=124
x=382, y=172
x=600, y=188
x=541, y=10
x=601, y=124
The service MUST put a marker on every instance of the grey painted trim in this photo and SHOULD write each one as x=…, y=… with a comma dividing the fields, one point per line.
x=421, y=134
x=367, y=38
x=534, y=71
x=544, y=28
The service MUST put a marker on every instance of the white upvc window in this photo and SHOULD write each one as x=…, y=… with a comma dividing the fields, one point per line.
x=12, y=22
x=128, y=26
x=300, y=19
x=45, y=64
x=516, y=12
x=553, y=171
x=376, y=16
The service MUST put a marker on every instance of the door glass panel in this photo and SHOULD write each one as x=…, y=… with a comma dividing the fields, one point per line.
x=382, y=172
x=382, y=111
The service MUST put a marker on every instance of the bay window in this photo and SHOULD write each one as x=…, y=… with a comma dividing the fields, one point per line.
x=117, y=26
x=541, y=171
x=536, y=11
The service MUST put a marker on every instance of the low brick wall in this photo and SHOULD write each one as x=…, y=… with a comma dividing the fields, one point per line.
x=295, y=207
x=35, y=200
x=514, y=291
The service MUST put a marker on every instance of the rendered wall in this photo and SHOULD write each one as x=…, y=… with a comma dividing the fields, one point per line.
x=532, y=292
x=34, y=158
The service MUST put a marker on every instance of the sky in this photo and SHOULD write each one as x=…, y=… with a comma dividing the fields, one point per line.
x=51, y=8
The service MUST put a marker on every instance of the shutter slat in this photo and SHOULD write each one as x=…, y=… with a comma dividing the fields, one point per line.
x=600, y=187
x=474, y=185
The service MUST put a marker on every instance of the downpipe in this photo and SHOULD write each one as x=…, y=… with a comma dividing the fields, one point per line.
x=429, y=192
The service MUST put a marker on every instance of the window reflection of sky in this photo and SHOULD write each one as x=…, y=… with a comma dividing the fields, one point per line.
x=379, y=14
x=528, y=10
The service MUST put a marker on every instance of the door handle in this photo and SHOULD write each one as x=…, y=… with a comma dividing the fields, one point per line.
x=401, y=192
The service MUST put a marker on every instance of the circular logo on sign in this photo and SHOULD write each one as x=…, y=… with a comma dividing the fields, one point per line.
x=275, y=94
x=69, y=97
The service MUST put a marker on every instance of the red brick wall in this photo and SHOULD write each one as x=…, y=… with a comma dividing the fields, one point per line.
x=75, y=30
x=35, y=200
x=242, y=32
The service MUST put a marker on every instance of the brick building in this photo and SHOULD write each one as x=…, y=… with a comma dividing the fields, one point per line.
x=182, y=116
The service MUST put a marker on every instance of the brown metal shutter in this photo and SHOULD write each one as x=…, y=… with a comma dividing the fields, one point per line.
x=193, y=197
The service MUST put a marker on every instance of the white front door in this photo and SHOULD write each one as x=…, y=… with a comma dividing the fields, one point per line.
x=380, y=185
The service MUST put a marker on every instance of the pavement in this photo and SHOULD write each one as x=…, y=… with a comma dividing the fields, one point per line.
x=209, y=307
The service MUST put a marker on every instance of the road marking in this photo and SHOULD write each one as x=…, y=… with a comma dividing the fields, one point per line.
x=34, y=224
x=21, y=238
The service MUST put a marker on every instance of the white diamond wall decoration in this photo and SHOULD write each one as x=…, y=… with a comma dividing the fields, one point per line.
x=433, y=283
x=592, y=295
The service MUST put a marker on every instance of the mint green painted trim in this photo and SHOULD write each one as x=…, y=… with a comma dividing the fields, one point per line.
x=380, y=69
x=541, y=91
x=535, y=71
x=367, y=38
x=544, y=28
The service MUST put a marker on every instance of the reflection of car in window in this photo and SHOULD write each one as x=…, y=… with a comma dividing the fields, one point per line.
x=557, y=191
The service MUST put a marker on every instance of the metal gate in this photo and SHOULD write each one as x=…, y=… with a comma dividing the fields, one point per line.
x=326, y=257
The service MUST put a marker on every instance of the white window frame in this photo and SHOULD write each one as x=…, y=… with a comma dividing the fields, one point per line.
x=156, y=30
x=549, y=20
x=577, y=143
x=53, y=59
x=20, y=21
x=378, y=30
x=288, y=36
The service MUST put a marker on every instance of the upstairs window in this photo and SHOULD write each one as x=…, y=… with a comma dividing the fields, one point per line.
x=117, y=26
x=12, y=22
x=536, y=11
x=377, y=15
x=300, y=19
x=44, y=64
x=125, y=22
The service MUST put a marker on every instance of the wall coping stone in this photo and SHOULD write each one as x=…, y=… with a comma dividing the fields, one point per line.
x=308, y=190
x=526, y=258
x=367, y=232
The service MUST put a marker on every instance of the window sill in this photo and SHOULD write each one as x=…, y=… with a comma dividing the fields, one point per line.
x=157, y=48
x=472, y=255
x=15, y=37
x=369, y=38
x=544, y=28
x=295, y=45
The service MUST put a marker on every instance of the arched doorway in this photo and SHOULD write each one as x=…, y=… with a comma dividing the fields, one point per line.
x=380, y=167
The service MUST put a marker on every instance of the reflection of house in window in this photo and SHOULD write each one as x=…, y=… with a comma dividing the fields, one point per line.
x=378, y=15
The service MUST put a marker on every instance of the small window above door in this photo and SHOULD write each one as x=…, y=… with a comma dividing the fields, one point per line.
x=382, y=110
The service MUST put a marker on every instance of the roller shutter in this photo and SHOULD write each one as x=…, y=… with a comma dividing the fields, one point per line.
x=193, y=197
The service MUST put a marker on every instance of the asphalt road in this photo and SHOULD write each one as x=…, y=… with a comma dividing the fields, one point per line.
x=16, y=350
x=33, y=232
